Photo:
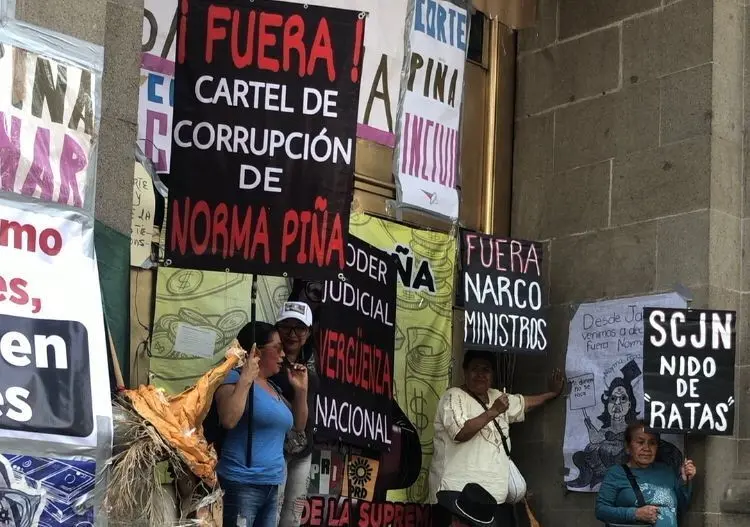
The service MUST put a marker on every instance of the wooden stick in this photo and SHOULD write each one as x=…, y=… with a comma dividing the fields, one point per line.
x=115, y=361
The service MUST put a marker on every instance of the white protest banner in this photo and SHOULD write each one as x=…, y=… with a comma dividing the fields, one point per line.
x=604, y=365
x=429, y=142
x=689, y=370
x=53, y=356
x=48, y=126
x=382, y=65
x=156, y=93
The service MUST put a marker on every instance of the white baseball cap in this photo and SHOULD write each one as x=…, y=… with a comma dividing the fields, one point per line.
x=296, y=310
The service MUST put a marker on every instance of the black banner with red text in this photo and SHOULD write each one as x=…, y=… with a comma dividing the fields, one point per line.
x=355, y=353
x=265, y=120
x=503, y=294
x=345, y=512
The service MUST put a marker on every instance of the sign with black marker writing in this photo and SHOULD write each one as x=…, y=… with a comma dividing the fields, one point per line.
x=503, y=294
x=688, y=362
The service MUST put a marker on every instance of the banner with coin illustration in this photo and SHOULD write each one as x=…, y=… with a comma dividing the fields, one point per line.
x=425, y=266
x=197, y=315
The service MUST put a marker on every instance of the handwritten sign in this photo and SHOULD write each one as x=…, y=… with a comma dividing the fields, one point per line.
x=142, y=218
x=582, y=392
x=689, y=370
x=503, y=294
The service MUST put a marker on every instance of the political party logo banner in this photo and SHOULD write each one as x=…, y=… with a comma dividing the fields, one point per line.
x=604, y=366
x=197, y=315
x=43, y=491
x=427, y=158
x=503, y=294
x=425, y=264
x=52, y=352
x=689, y=370
x=264, y=138
x=49, y=115
x=361, y=476
x=355, y=352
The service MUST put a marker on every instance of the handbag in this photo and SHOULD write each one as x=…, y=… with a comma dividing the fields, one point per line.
x=516, y=481
x=640, y=501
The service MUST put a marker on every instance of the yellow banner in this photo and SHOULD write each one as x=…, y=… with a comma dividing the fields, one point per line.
x=197, y=315
x=424, y=325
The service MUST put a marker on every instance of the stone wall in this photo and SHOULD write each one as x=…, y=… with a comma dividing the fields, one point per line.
x=116, y=25
x=629, y=164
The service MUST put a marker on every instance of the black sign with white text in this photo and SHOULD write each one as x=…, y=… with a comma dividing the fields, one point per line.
x=688, y=362
x=265, y=120
x=503, y=294
x=45, y=377
x=356, y=348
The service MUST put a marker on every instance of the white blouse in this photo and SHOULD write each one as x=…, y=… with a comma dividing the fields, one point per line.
x=482, y=458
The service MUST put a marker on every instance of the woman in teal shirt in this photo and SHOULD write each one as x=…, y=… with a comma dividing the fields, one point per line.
x=664, y=492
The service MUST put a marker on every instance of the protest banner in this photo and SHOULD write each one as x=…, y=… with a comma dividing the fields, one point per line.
x=264, y=138
x=197, y=314
x=345, y=512
x=49, y=117
x=355, y=353
x=45, y=491
x=156, y=94
x=688, y=363
x=382, y=65
x=503, y=294
x=427, y=158
x=52, y=358
x=604, y=365
x=425, y=264
x=380, y=87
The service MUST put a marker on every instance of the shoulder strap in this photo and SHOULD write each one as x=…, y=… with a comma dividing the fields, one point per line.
x=639, y=499
x=500, y=430
x=249, y=407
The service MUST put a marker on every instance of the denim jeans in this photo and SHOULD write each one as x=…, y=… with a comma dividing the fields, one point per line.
x=256, y=504
x=293, y=493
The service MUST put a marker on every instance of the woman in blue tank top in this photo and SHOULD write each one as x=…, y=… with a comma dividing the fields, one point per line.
x=251, y=488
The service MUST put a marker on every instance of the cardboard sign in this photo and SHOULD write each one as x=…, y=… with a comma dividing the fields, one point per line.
x=265, y=124
x=688, y=360
x=503, y=294
x=355, y=353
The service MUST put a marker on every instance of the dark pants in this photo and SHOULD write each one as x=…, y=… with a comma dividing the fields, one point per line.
x=505, y=516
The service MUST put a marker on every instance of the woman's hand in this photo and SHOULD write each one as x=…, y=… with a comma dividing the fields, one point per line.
x=648, y=514
x=297, y=374
x=500, y=406
x=250, y=369
x=687, y=470
x=556, y=382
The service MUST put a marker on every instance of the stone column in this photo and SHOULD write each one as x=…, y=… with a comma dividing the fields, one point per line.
x=116, y=25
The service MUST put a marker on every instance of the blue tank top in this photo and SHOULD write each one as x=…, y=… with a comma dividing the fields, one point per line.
x=272, y=419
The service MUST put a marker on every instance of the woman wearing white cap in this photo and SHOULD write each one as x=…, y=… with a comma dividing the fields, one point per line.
x=295, y=326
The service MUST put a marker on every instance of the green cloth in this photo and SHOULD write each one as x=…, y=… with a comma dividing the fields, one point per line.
x=113, y=258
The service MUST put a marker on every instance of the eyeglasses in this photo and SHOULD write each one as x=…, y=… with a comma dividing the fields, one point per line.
x=299, y=331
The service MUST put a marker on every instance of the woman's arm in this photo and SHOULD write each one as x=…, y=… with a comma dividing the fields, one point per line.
x=473, y=426
x=606, y=509
x=231, y=400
